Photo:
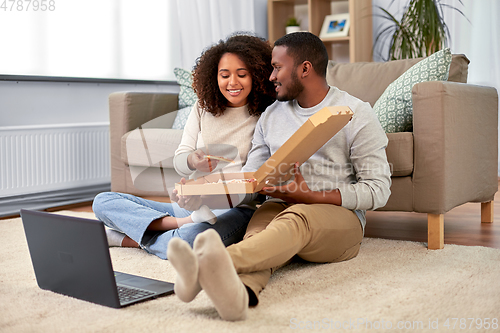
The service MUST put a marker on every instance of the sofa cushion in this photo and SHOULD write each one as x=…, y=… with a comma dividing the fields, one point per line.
x=187, y=96
x=394, y=108
x=400, y=153
x=161, y=146
x=459, y=68
x=368, y=80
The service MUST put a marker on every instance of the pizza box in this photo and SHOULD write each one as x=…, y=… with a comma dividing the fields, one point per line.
x=310, y=137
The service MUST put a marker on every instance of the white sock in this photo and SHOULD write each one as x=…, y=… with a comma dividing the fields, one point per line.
x=203, y=214
x=115, y=238
x=218, y=277
x=184, y=261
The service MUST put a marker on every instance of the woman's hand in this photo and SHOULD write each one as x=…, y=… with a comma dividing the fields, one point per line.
x=197, y=161
x=189, y=202
x=193, y=202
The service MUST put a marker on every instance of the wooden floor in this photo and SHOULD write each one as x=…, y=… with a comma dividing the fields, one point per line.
x=462, y=225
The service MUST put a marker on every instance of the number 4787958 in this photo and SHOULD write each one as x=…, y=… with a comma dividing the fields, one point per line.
x=27, y=5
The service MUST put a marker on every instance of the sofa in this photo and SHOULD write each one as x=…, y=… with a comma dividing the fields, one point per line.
x=448, y=158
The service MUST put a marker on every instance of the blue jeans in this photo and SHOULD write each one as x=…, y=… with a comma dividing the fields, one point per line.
x=132, y=215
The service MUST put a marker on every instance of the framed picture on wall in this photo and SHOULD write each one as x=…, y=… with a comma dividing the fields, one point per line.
x=336, y=25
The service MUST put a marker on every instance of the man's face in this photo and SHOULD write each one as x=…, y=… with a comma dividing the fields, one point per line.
x=284, y=75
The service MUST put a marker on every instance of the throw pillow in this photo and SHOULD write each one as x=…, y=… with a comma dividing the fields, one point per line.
x=187, y=96
x=394, y=108
x=181, y=118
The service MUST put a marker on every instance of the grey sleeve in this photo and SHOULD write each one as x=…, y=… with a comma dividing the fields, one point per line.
x=369, y=160
x=259, y=153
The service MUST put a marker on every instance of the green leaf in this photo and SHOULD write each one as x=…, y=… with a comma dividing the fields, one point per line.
x=421, y=31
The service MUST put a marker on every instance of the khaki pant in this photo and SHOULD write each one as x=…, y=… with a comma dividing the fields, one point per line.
x=319, y=233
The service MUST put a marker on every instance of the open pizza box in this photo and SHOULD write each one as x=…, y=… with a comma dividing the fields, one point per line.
x=310, y=137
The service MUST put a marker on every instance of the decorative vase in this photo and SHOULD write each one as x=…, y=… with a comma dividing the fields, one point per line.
x=292, y=28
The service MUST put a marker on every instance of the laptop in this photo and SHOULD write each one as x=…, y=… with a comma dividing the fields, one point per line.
x=70, y=256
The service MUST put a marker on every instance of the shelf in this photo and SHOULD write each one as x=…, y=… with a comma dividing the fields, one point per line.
x=336, y=39
x=360, y=40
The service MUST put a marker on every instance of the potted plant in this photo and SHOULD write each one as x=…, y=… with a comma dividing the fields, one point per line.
x=420, y=32
x=292, y=25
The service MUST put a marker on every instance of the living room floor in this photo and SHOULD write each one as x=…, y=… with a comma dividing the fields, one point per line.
x=462, y=224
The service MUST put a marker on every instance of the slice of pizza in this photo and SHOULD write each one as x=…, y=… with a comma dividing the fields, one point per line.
x=219, y=158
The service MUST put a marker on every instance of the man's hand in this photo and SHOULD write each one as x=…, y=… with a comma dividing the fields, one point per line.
x=189, y=202
x=197, y=160
x=297, y=191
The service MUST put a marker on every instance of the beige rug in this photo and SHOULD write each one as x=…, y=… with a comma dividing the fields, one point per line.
x=390, y=284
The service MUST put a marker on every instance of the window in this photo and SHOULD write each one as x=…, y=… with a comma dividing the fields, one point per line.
x=120, y=39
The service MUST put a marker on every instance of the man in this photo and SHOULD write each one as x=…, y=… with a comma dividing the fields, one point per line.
x=320, y=215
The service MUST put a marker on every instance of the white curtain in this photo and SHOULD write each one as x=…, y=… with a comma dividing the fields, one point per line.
x=479, y=40
x=204, y=22
x=124, y=39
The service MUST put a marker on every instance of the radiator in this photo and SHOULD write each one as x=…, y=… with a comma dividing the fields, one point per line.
x=36, y=159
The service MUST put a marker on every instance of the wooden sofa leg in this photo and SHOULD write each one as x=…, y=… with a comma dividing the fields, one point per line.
x=435, y=231
x=487, y=212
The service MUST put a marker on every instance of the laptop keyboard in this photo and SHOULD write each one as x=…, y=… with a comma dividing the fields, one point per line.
x=127, y=294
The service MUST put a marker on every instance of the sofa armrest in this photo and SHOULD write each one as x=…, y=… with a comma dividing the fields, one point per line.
x=455, y=128
x=127, y=111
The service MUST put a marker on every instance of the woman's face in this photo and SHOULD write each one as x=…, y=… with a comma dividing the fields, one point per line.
x=235, y=81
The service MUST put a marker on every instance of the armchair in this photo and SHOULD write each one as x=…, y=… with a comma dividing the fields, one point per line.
x=451, y=156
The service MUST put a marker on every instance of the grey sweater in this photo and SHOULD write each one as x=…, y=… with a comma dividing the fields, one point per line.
x=353, y=161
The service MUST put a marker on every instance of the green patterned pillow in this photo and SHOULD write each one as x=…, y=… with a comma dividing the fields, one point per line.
x=394, y=108
x=181, y=117
x=187, y=96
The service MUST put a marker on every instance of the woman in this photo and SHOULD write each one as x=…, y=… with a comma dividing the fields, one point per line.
x=231, y=80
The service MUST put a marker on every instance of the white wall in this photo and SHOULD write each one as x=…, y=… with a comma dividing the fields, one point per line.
x=24, y=103
x=260, y=7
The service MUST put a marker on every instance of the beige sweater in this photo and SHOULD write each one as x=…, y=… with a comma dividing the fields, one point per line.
x=229, y=135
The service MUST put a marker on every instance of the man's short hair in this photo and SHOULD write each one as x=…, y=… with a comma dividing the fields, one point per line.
x=305, y=46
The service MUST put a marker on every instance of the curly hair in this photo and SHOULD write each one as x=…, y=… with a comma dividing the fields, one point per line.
x=255, y=52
